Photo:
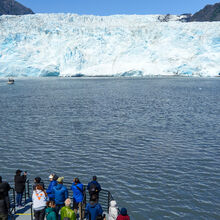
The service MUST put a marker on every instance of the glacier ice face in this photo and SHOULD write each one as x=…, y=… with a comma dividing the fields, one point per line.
x=119, y=45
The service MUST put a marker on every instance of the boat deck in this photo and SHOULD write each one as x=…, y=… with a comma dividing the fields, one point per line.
x=25, y=213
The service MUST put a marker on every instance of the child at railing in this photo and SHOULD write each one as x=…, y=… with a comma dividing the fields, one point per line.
x=123, y=215
x=50, y=211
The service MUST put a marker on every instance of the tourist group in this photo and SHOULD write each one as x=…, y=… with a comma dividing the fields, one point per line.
x=53, y=202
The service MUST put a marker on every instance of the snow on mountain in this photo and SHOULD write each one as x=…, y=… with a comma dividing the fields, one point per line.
x=119, y=45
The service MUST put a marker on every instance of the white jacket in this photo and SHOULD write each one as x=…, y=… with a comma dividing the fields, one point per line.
x=39, y=200
x=113, y=210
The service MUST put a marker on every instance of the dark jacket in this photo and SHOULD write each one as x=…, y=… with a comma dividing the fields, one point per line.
x=98, y=187
x=50, y=189
x=93, y=209
x=4, y=199
x=20, y=183
x=4, y=188
x=61, y=194
x=3, y=207
x=51, y=214
x=122, y=217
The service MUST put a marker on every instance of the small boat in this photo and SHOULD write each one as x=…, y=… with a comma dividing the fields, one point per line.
x=11, y=81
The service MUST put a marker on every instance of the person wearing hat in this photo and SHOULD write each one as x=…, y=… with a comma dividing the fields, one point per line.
x=53, y=183
x=113, y=210
x=123, y=215
x=19, y=186
x=60, y=194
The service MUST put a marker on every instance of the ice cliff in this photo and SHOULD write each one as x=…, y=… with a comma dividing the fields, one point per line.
x=119, y=45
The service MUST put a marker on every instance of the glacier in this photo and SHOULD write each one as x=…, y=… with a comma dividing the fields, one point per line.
x=117, y=45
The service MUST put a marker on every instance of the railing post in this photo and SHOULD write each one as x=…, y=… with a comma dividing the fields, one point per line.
x=31, y=211
x=14, y=201
x=83, y=204
x=108, y=200
x=28, y=189
x=25, y=194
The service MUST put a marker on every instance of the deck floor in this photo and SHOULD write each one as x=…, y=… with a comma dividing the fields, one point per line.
x=24, y=213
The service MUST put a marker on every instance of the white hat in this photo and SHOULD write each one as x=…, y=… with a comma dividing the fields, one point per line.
x=51, y=176
x=113, y=203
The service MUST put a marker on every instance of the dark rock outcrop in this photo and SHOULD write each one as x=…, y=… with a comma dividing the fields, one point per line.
x=186, y=17
x=12, y=7
x=208, y=13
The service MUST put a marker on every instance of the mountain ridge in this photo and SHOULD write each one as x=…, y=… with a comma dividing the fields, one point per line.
x=208, y=13
x=12, y=7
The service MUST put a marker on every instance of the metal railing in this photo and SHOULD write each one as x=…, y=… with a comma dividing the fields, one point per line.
x=12, y=202
x=12, y=199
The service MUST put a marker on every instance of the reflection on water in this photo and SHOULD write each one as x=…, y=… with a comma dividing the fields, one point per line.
x=153, y=142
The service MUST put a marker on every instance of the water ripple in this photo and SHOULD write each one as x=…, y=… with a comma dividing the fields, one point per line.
x=154, y=143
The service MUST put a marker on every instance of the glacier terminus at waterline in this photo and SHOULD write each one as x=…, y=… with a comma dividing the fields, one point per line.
x=118, y=45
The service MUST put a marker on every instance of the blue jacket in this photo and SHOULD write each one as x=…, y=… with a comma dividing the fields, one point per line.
x=61, y=194
x=93, y=209
x=50, y=189
x=77, y=194
x=96, y=183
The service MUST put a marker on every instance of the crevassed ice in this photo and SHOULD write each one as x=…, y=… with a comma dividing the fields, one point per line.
x=119, y=45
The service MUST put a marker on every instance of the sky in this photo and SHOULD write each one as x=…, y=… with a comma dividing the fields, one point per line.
x=110, y=7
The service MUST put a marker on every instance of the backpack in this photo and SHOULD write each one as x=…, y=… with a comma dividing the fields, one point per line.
x=100, y=217
x=93, y=188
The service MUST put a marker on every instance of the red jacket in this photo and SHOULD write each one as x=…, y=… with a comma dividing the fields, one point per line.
x=121, y=217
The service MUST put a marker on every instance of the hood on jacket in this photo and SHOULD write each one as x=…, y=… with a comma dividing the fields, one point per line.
x=92, y=204
x=124, y=211
x=113, y=203
x=49, y=210
x=59, y=186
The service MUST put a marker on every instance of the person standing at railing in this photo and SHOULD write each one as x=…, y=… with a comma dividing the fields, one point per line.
x=4, y=199
x=77, y=189
x=60, y=193
x=38, y=181
x=39, y=199
x=94, y=187
x=19, y=186
x=113, y=210
x=123, y=215
x=53, y=182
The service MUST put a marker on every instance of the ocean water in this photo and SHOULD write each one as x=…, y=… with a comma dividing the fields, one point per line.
x=153, y=142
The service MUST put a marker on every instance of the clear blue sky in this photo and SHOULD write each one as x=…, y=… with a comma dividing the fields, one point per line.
x=109, y=7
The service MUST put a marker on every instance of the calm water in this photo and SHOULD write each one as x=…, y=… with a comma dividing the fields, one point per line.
x=153, y=142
